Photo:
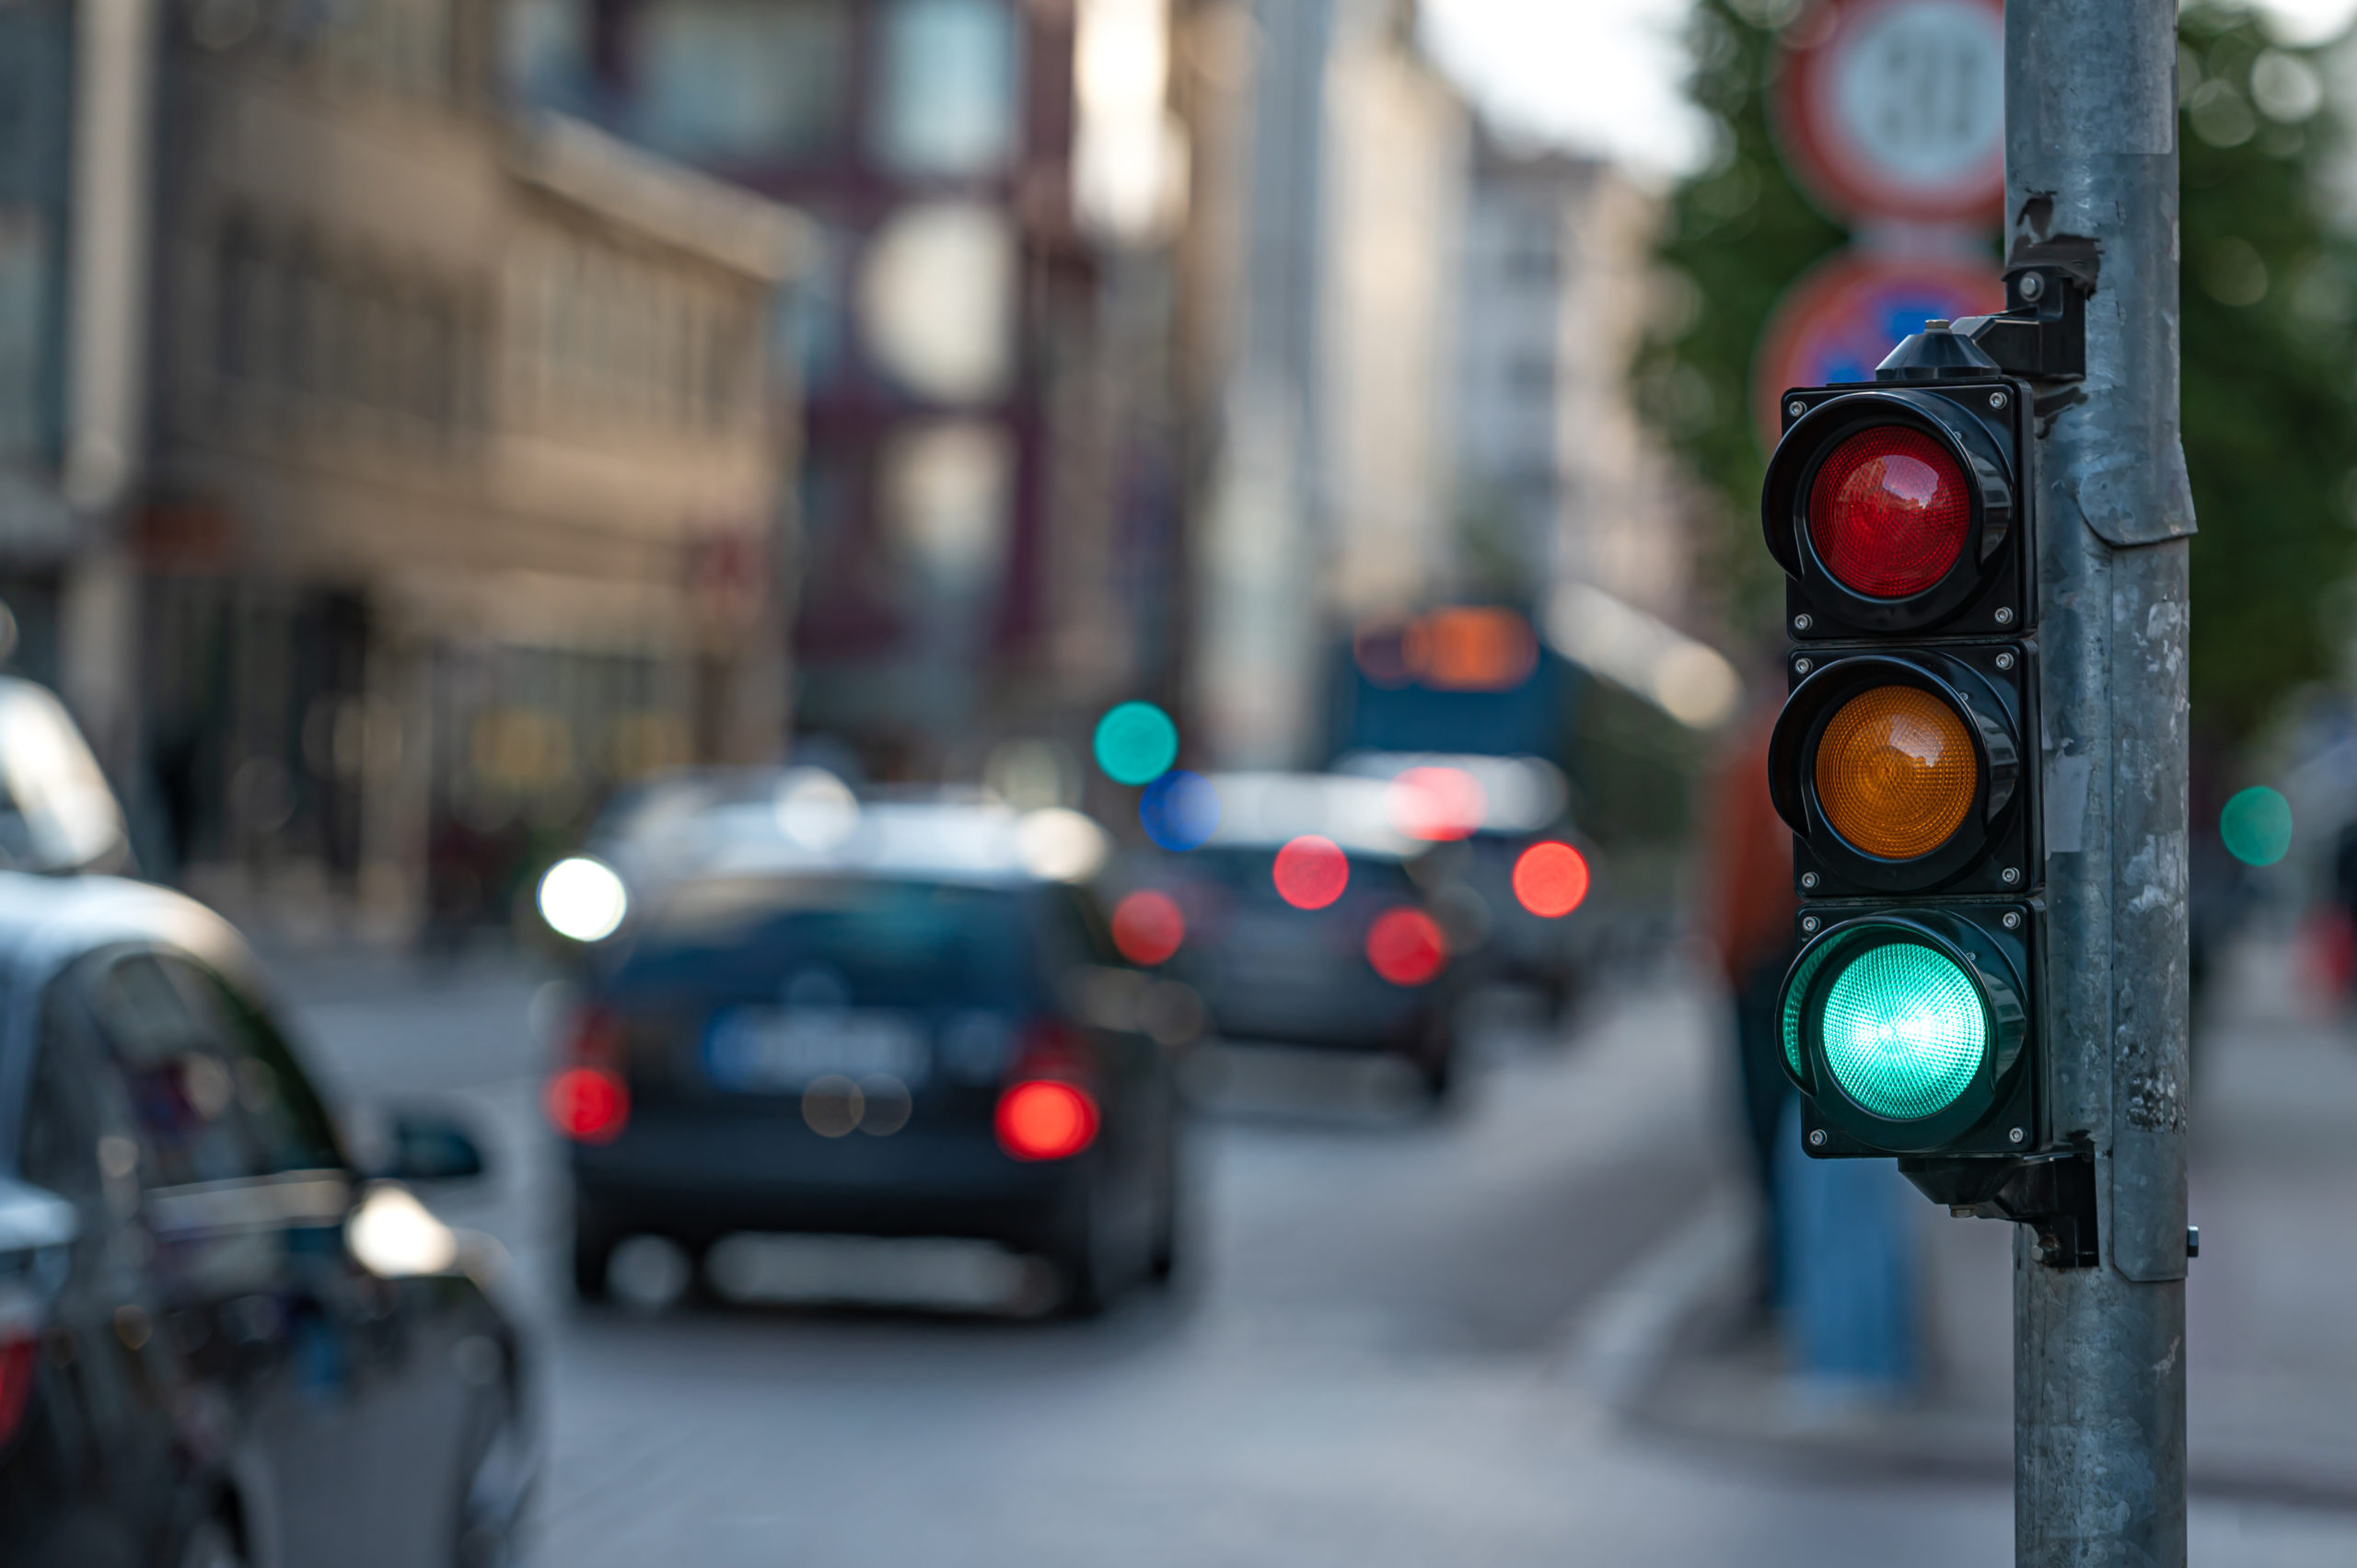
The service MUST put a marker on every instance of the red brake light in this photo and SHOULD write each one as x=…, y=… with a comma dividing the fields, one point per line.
x=1888, y=511
x=17, y=1373
x=1148, y=927
x=1406, y=946
x=1311, y=872
x=1551, y=879
x=1046, y=1118
x=590, y=1105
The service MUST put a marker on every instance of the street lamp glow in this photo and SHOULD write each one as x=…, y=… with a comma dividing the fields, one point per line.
x=583, y=899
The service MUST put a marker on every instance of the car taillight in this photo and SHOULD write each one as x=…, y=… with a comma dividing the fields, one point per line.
x=589, y=1105
x=17, y=1373
x=1890, y=512
x=1405, y=947
x=1045, y=1119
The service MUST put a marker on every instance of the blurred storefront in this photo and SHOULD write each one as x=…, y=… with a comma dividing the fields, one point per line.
x=463, y=495
x=986, y=498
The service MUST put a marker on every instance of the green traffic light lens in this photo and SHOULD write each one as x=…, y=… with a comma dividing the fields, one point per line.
x=1904, y=1030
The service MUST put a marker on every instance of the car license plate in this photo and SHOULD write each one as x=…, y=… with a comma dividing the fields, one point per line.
x=783, y=1049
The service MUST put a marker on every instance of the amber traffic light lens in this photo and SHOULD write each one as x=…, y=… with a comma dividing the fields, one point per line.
x=1896, y=771
x=1888, y=511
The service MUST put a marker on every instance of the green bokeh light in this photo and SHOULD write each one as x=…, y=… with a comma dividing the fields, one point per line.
x=1904, y=1030
x=1136, y=743
x=2256, y=826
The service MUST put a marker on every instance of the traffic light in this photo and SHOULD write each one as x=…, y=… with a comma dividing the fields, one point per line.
x=1905, y=759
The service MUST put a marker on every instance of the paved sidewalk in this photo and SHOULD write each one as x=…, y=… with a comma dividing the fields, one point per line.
x=2271, y=1307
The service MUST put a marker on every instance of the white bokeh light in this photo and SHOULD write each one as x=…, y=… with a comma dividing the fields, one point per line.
x=583, y=899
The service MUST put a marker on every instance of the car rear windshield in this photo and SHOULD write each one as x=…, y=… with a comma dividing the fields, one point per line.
x=862, y=941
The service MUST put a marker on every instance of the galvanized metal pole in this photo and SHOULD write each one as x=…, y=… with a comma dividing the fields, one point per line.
x=2091, y=184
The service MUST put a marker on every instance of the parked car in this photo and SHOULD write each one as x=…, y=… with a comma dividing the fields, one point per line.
x=900, y=1020
x=1304, y=920
x=221, y=1341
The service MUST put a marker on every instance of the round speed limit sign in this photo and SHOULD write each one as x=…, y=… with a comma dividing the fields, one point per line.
x=1896, y=108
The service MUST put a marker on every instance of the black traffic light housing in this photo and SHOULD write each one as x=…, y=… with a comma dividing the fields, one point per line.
x=1997, y=1112
x=1993, y=688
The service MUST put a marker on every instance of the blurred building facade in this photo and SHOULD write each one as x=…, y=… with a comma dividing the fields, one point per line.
x=446, y=488
x=1330, y=188
x=1558, y=479
x=987, y=503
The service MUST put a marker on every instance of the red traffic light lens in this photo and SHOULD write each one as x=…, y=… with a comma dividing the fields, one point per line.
x=1888, y=511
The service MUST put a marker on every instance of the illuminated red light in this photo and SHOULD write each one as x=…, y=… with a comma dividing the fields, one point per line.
x=589, y=1105
x=1437, y=804
x=1311, y=872
x=1406, y=946
x=1551, y=879
x=1888, y=511
x=1148, y=927
x=1045, y=1119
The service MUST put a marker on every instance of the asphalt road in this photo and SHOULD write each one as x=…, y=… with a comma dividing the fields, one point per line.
x=1392, y=1342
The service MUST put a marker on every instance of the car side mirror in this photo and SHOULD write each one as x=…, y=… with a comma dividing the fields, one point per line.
x=426, y=1148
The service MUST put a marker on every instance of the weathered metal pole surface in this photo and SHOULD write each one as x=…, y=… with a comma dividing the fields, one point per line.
x=2091, y=183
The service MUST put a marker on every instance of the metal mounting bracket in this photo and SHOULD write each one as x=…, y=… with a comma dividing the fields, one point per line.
x=2041, y=335
x=2052, y=1193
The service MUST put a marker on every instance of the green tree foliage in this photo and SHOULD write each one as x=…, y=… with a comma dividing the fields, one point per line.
x=2268, y=300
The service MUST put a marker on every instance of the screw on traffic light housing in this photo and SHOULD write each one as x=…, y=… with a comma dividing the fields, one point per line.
x=1904, y=1027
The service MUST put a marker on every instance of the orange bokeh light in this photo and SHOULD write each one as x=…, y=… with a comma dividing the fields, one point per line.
x=1551, y=879
x=1311, y=872
x=1405, y=947
x=1046, y=1118
x=1148, y=927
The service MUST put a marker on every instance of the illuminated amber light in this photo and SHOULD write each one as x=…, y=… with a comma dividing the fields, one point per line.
x=1896, y=771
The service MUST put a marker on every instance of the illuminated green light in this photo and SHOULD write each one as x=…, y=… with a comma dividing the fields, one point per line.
x=2256, y=826
x=1904, y=1030
x=1136, y=743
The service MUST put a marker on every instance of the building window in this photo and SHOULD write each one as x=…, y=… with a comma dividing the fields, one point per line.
x=946, y=88
x=743, y=81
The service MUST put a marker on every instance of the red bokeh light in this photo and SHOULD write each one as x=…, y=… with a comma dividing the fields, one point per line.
x=1311, y=872
x=590, y=1105
x=1045, y=1119
x=1437, y=803
x=1888, y=511
x=18, y=1369
x=1147, y=927
x=1406, y=947
x=1551, y=879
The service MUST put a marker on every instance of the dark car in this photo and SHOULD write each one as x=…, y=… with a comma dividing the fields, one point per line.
x=904, y=1032
x=220, y=1341
x=1306, y=920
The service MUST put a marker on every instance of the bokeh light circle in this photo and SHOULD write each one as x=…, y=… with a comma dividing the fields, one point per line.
x=1405, y=947
x=587, y=1104
x=1437, y=804
x=1135, y=743
x=1046, y=1118
x=583, y=899
x=1551, y=879
x=2256, y=826
x=1148, y=927
x=1179, y=810
x=1311, y=872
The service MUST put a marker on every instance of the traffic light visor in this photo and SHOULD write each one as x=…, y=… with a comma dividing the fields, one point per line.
x=1904, y=1030
x=1896, y=771
x=1890, y=512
